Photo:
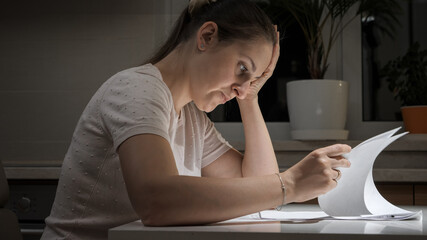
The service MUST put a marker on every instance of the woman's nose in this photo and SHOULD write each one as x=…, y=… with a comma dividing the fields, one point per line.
x=241, y=90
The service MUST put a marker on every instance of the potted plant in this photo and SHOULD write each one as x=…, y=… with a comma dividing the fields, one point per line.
x=318, y=109
x=407, y=79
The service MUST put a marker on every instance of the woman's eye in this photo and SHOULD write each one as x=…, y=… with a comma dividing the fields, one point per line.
x=243, y=68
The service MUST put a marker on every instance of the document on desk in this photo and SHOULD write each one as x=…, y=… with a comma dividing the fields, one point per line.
x=320, y=215
x=356, y=196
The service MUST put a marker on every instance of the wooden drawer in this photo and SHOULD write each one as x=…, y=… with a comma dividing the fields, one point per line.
x=397, y=194
x=420, y=194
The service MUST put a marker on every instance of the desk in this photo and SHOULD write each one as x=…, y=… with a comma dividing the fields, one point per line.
x=319, y=230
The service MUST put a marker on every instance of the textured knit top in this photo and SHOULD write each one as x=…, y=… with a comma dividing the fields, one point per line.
x=91, y=196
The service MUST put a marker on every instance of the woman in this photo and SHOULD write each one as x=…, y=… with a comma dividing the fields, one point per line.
x=144, y=148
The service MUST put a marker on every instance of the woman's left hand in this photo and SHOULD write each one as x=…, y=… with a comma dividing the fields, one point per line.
x=256, y=85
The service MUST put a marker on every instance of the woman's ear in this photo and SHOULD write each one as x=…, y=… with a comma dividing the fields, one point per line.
x=207, y=36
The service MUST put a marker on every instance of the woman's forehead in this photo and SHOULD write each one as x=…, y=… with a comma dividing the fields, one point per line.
x=260, y=51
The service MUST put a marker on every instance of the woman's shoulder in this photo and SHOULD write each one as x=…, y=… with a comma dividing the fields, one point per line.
x=142, y=80
x=146, y=73
x=142, y=84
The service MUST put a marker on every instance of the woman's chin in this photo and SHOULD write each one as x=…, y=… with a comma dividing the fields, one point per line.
x=210, y=109
x=207, y=108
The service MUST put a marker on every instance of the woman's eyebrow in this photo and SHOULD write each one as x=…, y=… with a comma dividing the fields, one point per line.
x=253, y=65
x=252, y=62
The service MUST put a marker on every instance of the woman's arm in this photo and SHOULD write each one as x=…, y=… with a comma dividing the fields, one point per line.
x=161, y=197
x=259, y=158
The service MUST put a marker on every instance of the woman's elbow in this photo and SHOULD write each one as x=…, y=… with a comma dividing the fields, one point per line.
x=153, y=217
x=151, y=210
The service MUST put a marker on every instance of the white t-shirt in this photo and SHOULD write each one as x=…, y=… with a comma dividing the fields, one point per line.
x=91, y=196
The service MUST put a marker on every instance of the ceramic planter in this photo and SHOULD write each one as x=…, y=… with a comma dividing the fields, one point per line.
x=318, y=109
x=415, y=118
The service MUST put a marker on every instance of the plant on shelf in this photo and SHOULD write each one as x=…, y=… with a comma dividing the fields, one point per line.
x=407, y=79
x=407, y=76
x=318, y=108
x=322, y=22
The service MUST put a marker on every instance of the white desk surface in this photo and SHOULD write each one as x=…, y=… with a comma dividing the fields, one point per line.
x=314, y=229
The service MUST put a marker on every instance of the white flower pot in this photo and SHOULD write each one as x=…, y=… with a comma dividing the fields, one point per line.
x=318, y=109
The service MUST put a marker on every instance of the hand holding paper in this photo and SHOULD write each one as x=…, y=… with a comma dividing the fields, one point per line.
x=356, y=196
x=314, y=175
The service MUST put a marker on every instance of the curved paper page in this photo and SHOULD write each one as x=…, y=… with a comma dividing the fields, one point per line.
x=356, y=194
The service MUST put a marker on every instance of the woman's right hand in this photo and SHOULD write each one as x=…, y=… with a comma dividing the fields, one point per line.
x=315, y=174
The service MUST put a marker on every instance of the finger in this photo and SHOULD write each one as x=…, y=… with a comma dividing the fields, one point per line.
x=337, y=174
x=274, y=58
x=276, y=53
x=259, y=83
x=336, y=182
x=277, y=47
x=276, y=50
x=332, y=183
x=343, y=162
x=336, y=150
x=339, y=157
x=332, y=173
x=273, y=62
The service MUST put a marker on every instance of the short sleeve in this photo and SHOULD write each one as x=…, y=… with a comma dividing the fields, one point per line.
x=214, y=144
x=135, y=103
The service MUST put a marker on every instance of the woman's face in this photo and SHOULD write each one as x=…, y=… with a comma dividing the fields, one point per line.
x=223, y=72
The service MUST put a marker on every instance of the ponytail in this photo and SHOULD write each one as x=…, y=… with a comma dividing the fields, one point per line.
x=236, y=20
x=173, y=40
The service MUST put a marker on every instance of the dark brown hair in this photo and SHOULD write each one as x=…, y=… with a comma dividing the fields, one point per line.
x=236, y=20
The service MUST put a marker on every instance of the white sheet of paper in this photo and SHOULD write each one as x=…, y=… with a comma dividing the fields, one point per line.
x=317, y=215
x=292, y=216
